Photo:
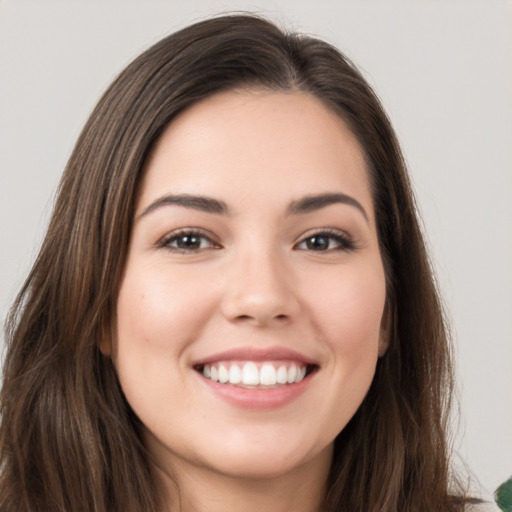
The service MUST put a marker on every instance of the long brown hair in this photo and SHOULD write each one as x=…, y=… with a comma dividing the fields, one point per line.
x=68, y=439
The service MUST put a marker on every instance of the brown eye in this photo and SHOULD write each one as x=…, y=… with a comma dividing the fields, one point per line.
x=326, y=241
x=188, y=241
x=318, y=243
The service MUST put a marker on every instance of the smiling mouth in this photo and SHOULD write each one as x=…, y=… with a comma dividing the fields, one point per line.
x=256, y=374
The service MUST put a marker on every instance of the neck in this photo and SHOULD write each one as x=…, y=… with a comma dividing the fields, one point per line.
x=197, y=489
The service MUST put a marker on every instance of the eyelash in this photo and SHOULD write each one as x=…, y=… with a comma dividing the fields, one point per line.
x=191, y=233
x=342, y=240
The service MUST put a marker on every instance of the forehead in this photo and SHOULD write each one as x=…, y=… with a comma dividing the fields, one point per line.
x=257, y=142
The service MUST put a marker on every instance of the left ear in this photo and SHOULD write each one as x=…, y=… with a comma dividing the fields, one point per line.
x=106, y=341
x=385, y=330
x=105, y=346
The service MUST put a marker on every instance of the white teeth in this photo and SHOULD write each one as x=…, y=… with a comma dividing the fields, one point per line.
x=251, y=374
x=223, y=374
x=292, y=374
x=235, y=374
x=282, y=375
x=267, y=375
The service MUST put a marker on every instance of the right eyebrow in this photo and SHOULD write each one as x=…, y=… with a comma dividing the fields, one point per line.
x=201, y=203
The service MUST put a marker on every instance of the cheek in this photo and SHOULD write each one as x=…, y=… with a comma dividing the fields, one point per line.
x=159, y=311
x=349, y=311
x=158, y=317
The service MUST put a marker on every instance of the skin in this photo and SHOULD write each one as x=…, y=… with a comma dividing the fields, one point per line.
x=256, y=280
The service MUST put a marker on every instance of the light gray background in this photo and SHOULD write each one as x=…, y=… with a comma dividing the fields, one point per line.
x=444, y=72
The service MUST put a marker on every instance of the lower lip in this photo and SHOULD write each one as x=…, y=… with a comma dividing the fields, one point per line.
x=258, y=399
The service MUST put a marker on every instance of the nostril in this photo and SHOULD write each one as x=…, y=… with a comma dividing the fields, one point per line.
x=257, y=317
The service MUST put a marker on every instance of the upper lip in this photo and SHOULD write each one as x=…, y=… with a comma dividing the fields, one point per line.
x=256, y=354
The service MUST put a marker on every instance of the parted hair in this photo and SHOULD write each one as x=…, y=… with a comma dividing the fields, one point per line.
x=68, y=439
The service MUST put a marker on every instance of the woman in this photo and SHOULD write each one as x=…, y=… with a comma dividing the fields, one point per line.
x=233, y=306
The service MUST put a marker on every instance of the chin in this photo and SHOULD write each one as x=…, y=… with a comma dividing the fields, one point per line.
x=260, y=462
x=262, y=467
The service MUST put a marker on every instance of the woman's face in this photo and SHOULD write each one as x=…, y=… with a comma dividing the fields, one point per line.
x=250, y=314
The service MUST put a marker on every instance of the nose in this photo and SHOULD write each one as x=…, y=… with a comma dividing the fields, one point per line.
x=260, y=291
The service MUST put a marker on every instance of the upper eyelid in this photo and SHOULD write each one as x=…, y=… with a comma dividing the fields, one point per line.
x=327, y=230
x=195, y=230
x=343, y=236
x=187, y=231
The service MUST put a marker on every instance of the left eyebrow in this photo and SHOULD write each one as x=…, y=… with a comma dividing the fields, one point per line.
x=316, y=202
